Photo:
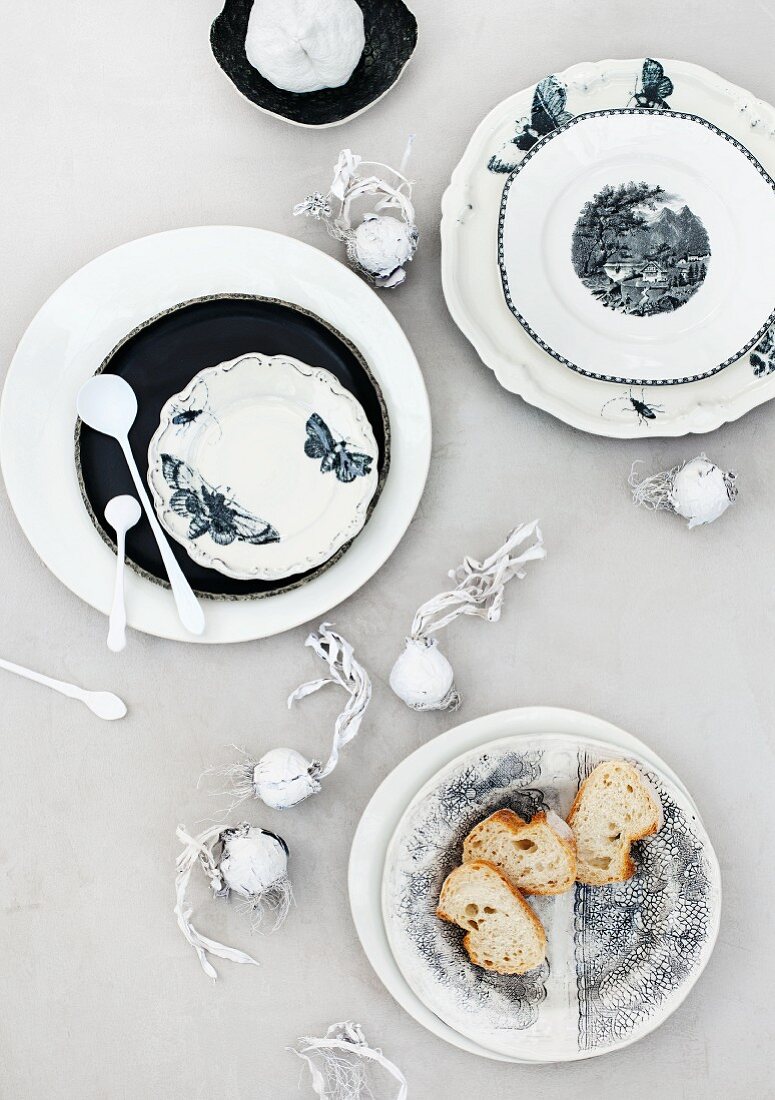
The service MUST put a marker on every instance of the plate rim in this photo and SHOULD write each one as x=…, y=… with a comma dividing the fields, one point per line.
x=364, y=870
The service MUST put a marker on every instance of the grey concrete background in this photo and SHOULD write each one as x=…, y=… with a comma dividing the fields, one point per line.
x=116, y=123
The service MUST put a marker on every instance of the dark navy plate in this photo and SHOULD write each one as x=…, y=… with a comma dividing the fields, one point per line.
x=160, y=357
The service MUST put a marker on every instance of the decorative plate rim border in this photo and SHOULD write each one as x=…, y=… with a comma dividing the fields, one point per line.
x=197, y=551
x=684, y=797
x=236, y=597
x=621, y=379
x=524, y=372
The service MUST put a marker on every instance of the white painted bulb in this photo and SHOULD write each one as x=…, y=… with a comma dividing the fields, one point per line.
x=305, y=45
x=380, y=246
x=283, y=777
x=701, y=492
x=423, y=677
x=253, y=861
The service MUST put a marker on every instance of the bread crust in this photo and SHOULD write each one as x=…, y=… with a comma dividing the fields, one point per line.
x=475, y=864
x=516, y=824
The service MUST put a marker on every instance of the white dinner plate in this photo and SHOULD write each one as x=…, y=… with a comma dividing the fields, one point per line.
x=472, y=278
x=92, y=312
x=379, y=820
x=638, y=246
x=263, y=467
x=620, y=958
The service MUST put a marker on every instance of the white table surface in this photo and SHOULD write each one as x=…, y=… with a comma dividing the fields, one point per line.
x=116, y=122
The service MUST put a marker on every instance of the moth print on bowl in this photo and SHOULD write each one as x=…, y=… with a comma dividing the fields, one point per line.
x=211, y=511
x=630, y=402
x=653, y=88
x=547, y=114
x=762, y=358
x=639, y=249
x=637, y=942
x=334, y=455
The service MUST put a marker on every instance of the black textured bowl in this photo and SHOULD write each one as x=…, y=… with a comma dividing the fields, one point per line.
x=160, y=358
x=391, y=35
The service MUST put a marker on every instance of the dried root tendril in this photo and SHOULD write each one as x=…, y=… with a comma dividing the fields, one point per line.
x=338, y=1064
x=654, y=491
x=481, y=585
x=200, y=850
x=349, y=674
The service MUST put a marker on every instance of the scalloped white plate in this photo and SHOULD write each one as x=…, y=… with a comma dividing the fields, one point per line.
x=472, y=279
x=263, y=467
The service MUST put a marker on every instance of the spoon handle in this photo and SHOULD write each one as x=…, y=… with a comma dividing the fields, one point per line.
x=63, y=688
x=117, y=625
x=189, y=609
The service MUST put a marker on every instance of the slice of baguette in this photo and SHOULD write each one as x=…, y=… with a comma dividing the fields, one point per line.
x=615, y=806
x=503, y=934
x=538, y=857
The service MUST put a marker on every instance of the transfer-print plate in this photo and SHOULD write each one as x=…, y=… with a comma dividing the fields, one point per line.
x=620, y=958
x=638, y=246
x=263, y=467
x=651, y=400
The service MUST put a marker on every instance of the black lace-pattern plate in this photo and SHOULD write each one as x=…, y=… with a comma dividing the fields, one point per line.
x=620, y=959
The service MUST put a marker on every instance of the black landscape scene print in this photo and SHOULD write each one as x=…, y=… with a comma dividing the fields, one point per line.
x=639, y=249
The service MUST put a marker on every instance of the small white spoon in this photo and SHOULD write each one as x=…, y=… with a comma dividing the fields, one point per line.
x=102, y=703
x=122, y=513
x=108, y=404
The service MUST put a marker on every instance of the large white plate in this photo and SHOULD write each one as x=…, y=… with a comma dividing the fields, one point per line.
x=620, y=958
x=382, y=814
x=94, y=309
x=472, y=280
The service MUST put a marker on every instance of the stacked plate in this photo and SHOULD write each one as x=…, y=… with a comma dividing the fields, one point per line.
x=283, y=422
x=620, y=958
x=607, y=247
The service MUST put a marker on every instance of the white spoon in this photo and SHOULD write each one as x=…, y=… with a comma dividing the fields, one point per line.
x=108, y=404
x=122, y=513
x=102, y=703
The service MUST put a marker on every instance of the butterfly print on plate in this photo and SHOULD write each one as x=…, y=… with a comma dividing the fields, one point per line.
x=210, y=511
x=655, y=87
x=548, y=113
x=320, y=443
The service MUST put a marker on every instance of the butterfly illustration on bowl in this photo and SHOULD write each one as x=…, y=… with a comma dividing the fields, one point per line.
x=334, y=455
x=211, y=511
x=655, y=87
x=548, y=113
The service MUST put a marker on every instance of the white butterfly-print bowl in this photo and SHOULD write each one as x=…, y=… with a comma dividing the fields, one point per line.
x=263, y=467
